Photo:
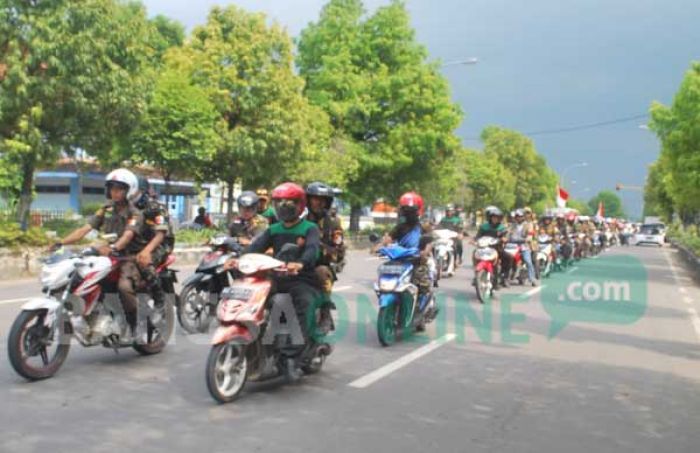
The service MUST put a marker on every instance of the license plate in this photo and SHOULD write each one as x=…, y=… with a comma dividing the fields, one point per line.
x=237, y=293
x=650, y=238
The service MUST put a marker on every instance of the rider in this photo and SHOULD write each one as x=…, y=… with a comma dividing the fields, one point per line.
x=120, y=217
x=409, y=233
x=493, y=227
x=263, y=209
x=248, y=224
x=320, y=199
x=157, y=231
x=289, y=201
x=452, y=221
x=549, y=228
x=522, y=233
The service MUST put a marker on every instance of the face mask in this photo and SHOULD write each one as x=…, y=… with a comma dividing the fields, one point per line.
x=286, y=210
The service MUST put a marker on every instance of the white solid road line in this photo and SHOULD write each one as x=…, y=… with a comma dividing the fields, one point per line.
x=341, y=288
x=13, y=301
x=695, y=319
x=534, y=291
x=571, y=270
x=379, y=373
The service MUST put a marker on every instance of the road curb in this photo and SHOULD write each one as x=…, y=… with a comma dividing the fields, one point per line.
x=690, y=259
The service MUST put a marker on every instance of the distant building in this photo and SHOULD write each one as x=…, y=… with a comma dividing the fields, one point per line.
x=65, y=187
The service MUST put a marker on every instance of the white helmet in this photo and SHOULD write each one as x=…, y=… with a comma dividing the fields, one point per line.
x=124, y=177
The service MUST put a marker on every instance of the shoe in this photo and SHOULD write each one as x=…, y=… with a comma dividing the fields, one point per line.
x=292, y=373
x=534, y=283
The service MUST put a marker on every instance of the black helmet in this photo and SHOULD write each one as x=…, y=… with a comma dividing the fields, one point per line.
x=319, y=189
x=143, y=194
x=248, y=199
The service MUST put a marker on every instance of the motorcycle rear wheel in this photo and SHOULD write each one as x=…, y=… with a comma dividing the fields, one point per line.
x=163, y=331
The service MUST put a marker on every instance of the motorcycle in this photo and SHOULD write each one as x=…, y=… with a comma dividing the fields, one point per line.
x=77, y=303
x=485, y=270
x=252, y=340
x=444, y=252
x=201, y=291
x=401, y=310
x=518, y=270
x=545, y=255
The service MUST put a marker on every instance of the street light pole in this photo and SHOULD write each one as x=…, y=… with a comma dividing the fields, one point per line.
x=468, y=61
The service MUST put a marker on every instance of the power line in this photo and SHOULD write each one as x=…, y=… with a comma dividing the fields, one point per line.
x=580, y=127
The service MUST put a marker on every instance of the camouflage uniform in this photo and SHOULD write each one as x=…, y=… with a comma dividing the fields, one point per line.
x=116, y=219
x=156, y=220
x=242, y=228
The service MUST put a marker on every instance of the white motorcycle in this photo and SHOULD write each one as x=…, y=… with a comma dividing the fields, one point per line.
x=444, y=252
x=80, y=300
x=545, y=255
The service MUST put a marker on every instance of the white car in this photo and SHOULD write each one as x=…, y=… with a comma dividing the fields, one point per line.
x=650, y=234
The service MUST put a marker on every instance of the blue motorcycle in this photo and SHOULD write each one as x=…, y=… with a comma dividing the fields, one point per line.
x=401, y=309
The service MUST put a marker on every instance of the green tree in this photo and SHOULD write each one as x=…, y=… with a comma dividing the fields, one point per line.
x=482, y=181
x=269, y=130
x=581, y=206
x=71, y=76
x=535, y=182
x=178, y=130
x=678, y=129
x=372, y=78
x=657, y=200
x=166, y=33
x=611, y=204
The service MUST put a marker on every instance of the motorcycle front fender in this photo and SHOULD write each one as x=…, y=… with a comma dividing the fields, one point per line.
x=387, y=299
x=485, y=266
x=43, y=303
x=225, y=334
x=194, y=279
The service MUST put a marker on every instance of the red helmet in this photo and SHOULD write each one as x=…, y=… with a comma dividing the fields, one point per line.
x=411, y=200
x=289, y=191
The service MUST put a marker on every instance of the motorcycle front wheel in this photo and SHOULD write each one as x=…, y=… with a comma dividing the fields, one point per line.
x=227, y=371
x=386, y=325
x=483, y=286
x=195, y=312
x=36, y=351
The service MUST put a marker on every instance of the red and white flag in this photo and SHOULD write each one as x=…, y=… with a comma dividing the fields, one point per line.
x=601, y=210
x=562, y=197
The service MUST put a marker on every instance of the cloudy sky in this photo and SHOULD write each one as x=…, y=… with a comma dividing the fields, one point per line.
x=543, y=65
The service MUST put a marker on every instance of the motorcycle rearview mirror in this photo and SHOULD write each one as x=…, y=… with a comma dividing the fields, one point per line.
x=373, y=238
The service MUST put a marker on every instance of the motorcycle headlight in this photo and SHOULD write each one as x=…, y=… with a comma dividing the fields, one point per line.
x=388, y=284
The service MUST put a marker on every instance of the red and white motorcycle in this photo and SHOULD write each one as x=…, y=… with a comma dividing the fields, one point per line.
x=81, y=301
x=256, y=331
x=485, y=267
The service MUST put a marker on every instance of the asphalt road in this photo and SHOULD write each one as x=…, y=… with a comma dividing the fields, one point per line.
x=488, y=378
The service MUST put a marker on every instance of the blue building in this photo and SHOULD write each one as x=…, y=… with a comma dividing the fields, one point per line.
x=65, y=188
